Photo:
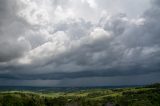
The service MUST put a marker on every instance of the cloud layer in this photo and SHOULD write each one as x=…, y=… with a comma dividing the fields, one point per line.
x=59, y=39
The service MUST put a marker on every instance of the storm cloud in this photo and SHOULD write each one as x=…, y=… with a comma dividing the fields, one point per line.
x=70, y=39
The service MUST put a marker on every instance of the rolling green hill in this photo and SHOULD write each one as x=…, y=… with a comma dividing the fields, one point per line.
x=137, y=96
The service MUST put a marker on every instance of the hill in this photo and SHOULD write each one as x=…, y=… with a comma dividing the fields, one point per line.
x=135, y=96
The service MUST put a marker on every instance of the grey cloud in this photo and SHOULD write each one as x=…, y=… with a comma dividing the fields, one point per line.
x=74, y=29
x=11, y=50
x=11, y=29
x=115, y=46
x=114, y=81
x=95, y=81
x=124, y=53
x=126, y=6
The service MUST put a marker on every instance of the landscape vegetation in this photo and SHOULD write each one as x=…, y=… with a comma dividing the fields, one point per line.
x=130, y=96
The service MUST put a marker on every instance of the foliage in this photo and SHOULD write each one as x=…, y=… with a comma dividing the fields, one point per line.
x=142, y=96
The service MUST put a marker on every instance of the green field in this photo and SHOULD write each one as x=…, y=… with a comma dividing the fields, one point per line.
x=138, y=96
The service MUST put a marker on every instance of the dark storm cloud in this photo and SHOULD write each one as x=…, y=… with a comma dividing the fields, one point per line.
x=73, y=75
x=37, y=46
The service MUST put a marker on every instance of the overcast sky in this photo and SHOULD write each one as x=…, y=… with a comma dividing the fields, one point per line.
x=79, y=42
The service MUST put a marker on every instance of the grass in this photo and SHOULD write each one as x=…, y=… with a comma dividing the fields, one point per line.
x=92, y=97
x=100, y=93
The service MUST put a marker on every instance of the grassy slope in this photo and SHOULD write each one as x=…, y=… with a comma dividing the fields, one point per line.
x=142, y=96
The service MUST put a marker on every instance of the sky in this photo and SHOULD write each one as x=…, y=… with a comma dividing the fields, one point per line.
x=79, y=42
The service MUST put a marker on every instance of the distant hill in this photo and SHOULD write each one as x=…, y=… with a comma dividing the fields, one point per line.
x=60, y=89
x=156, y=85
